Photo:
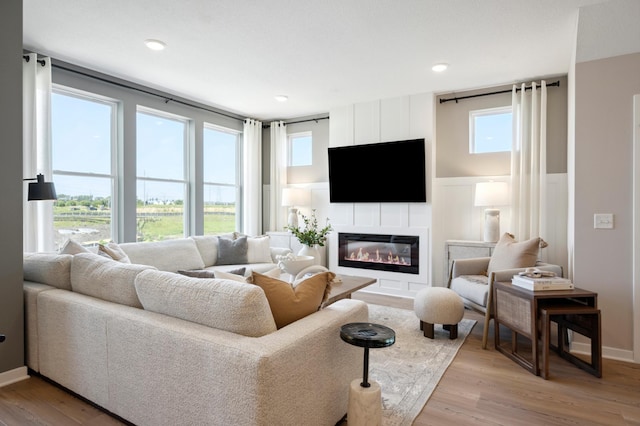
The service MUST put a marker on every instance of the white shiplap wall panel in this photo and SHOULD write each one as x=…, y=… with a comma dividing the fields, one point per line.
x=395, y=119
x=366, y=119
x=394, y=215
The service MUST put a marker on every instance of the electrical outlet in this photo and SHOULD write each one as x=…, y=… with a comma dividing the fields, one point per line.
x=603, y=221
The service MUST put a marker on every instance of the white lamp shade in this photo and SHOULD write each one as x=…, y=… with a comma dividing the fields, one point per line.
x=492, y=194
x=296, y=197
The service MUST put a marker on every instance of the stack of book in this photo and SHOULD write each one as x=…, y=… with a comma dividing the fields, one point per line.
x=542, y=283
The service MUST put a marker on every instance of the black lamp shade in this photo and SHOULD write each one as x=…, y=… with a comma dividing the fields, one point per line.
x=41, y=190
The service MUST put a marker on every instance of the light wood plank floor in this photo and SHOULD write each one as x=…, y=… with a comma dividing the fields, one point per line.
x=479, y=387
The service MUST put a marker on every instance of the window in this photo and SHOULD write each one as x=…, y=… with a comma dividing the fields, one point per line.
x=82, y=145
x=221, y=179
x=300, y=149
x=490, y=130
x=161, y=183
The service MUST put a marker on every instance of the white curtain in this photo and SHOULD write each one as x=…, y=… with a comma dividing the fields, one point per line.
x=529, y=161
x=252, y=177
x=36, y=148
x=278, y=175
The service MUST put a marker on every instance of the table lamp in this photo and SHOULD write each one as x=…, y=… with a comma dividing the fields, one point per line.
x=491, y=194
x=294, y=198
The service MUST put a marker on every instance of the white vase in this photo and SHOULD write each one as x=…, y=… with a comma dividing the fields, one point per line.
x=310, y=251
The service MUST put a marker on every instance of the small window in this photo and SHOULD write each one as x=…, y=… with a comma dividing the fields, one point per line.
x=300, y=148
x=490, y=130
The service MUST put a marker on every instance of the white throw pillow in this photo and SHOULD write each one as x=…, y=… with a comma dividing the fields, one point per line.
x=258, y=250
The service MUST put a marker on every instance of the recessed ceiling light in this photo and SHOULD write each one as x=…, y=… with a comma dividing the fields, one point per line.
x=155, y=44
x=440, y=67
x=281, y=98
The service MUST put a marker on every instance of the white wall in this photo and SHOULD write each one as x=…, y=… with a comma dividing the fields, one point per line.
x=407, y=117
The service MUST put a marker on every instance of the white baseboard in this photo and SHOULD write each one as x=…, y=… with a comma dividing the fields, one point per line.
x=607, y=352
x=12, y=376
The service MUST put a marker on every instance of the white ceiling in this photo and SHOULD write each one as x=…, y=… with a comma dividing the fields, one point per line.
x=238, y=54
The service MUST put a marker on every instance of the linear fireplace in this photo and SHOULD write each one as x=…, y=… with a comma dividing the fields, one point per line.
x=394, y=253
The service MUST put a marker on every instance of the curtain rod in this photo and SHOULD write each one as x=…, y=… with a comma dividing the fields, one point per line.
x=106, y=80
x=266, y=126
x=556, y=83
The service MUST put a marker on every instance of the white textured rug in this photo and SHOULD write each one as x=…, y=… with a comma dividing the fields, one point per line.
x=409, y=370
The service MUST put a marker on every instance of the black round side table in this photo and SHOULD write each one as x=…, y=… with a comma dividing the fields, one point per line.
x=367, y=335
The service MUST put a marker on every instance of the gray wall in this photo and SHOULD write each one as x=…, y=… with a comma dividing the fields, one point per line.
x=603, y=259
x=452, y=133
x=11, y=310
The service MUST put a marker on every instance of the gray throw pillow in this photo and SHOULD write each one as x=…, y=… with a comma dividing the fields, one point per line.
x=232, y=252
x=203, y=273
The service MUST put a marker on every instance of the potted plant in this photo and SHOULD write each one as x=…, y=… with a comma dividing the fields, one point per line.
x=311, y=235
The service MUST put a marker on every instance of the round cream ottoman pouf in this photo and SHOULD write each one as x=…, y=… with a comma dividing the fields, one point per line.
x=438, y=305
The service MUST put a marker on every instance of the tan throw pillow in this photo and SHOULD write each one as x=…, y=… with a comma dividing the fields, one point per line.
x=510, y=254
x=113, y=251
x=288, y=303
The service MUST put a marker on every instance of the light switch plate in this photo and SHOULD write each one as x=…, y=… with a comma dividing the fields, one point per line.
x=603, y=221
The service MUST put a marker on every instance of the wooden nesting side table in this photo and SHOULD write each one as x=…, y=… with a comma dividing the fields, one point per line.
x=527, y=312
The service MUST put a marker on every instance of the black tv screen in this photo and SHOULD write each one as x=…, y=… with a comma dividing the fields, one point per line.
x=387, y=172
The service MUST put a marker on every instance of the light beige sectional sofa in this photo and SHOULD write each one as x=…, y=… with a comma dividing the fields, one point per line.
x=159, y=348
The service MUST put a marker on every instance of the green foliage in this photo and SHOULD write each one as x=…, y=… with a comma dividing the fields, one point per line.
x=310, y=235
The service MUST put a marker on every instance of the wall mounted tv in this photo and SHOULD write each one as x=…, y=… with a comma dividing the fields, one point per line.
x=386, y=172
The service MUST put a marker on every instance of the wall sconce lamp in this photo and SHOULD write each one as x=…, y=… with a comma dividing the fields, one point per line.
x=41, y=190
x=491, y=194
x=292, y=197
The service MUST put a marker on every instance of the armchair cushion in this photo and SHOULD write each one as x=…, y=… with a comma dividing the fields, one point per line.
x=472, y=287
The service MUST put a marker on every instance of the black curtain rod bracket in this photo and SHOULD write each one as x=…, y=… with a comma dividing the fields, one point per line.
x=554, y=84
x=28, y=58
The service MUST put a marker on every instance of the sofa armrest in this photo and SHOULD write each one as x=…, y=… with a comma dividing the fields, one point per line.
x=471, y=266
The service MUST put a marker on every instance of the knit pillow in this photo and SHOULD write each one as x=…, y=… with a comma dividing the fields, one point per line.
x=289, y=303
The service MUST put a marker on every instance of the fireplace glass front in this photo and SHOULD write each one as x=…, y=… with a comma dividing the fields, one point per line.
x=393, y=253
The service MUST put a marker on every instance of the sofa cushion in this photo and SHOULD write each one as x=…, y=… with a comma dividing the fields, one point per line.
x=167, y=255
x=510, y=254
x=113, y=251
x=106, y=279
x=223, y=304
x=289, y=303
x=208, y=246
x=258, y=250
x=232, y=252
x=474, y=288
x=48, y=268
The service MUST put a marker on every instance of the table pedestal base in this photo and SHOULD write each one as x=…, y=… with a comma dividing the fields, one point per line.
x=365, y=404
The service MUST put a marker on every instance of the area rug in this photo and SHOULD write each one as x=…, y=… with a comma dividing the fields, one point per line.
x=409, y=370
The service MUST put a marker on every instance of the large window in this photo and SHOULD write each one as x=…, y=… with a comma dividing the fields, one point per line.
x=83, y=140
x=300, y=149
x=161, y=171
x=490, y=130
x=221, y=179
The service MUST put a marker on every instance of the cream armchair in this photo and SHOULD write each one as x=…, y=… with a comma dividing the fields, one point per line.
x=469, y=278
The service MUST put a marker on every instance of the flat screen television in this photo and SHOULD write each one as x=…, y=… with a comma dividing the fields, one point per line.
x=386, y=172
